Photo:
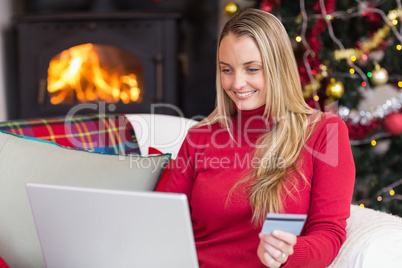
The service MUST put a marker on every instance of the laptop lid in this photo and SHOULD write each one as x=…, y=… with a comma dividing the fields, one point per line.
x=82, y=227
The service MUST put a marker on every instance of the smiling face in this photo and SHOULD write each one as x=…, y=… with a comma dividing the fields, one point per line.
x=242, y=75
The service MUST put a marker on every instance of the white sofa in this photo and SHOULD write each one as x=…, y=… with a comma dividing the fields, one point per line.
x=374, y=239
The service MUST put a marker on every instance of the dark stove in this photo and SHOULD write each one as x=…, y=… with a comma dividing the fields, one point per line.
x=145, y=44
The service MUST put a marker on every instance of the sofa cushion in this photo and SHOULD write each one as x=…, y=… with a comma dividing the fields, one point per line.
x=163, y=132
x=102, y=133
x=24, y=160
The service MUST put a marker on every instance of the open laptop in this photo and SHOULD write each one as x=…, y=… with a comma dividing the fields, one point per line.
x=83, y=227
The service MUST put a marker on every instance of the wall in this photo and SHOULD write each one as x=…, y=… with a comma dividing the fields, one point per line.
x=5, y=20
x=8, y=87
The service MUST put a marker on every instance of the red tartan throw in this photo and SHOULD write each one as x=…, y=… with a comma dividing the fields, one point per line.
x=110, y=134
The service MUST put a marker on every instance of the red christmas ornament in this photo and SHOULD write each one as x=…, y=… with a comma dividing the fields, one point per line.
x=269, y=5
x=393, y=123
x=358, y=131
x=374, y=18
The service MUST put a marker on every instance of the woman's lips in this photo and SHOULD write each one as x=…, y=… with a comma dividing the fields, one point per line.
x=245, y=94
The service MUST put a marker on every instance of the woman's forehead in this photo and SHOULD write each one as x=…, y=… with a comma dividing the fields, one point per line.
x=242, y=48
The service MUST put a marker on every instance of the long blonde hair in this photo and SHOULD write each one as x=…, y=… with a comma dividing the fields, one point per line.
x=284, y=105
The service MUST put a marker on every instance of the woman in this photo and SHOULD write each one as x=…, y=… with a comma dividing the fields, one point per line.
x=264, y=150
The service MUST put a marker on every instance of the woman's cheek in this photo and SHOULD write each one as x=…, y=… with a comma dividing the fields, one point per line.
x=225, y=83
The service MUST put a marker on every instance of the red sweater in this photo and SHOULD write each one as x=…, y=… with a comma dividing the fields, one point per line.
x=210, y=163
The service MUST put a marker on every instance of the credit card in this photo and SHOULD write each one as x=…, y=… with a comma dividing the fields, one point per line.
x=290, y=223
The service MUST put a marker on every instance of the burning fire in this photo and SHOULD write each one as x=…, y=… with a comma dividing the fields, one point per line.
x=76, y=74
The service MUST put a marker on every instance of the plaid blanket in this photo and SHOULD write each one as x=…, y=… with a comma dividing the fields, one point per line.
x=111, y=134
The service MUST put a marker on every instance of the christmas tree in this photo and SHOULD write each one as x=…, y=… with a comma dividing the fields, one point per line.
x=350, y=62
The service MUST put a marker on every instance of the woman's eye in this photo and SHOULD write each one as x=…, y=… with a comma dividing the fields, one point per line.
x=253, y=70
x=226, y=71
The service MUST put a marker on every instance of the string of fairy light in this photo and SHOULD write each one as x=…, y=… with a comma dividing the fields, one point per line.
x=351, y=54
x=328, y=19
x=302, y=38
x=386, y=194
x=378, y=76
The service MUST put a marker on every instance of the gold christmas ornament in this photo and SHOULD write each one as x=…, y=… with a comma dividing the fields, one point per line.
x=380, y=76
x=335, y=89
x=231, y=8
x=310, y=88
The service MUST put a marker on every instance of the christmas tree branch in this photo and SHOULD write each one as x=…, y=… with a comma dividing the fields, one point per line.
x=368, y=140
x=389, y=187
x=394, y=197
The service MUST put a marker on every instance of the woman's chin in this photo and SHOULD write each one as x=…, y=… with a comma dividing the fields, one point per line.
x=247, y=106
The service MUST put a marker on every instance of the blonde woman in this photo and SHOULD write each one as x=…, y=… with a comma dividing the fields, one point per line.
x=264, y=150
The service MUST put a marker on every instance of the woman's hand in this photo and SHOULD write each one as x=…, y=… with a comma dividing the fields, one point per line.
x=275, y=249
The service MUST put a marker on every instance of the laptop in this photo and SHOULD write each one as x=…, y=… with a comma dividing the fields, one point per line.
x=83, y=227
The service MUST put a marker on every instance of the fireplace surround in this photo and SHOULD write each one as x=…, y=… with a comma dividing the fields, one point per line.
x=150, y=37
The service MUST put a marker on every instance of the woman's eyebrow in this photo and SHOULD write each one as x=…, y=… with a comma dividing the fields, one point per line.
x=251, y=62
x=224, y=63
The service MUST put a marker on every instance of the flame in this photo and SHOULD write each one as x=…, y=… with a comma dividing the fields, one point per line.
x=77, y=74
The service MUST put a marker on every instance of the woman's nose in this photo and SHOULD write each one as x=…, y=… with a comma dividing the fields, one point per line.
x=239, y=80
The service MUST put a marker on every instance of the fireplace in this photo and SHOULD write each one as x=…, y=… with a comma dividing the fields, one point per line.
x=127, y=60
x=93, y=72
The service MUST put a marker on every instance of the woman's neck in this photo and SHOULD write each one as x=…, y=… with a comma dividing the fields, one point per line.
x=251, y=124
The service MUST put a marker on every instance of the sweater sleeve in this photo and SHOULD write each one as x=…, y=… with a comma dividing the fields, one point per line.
x=181, y=176
x=331, y=196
